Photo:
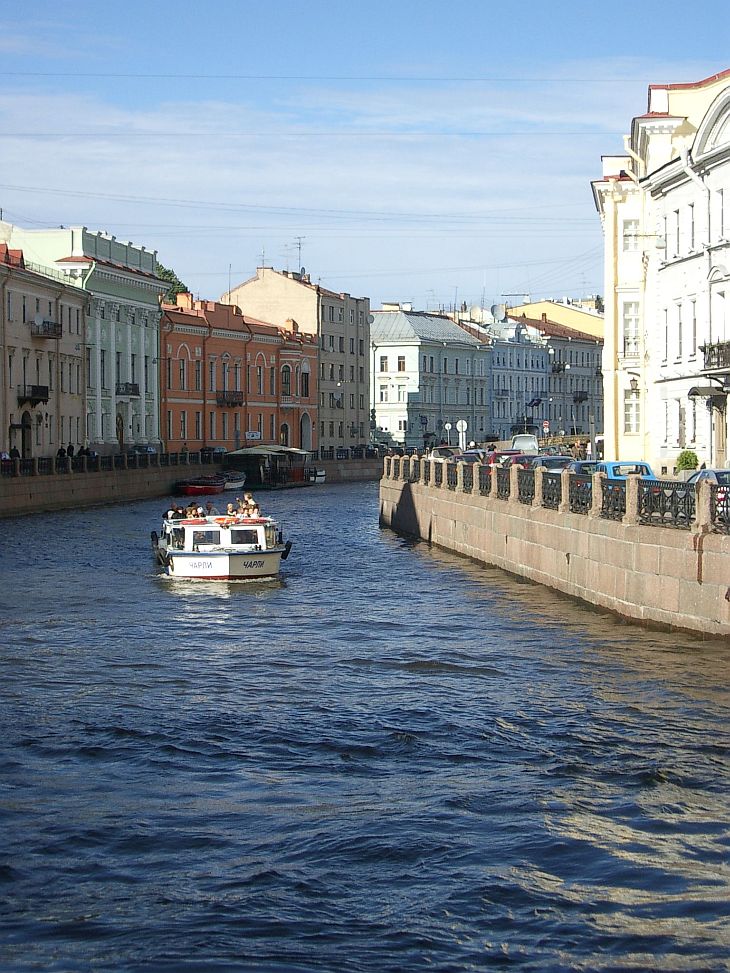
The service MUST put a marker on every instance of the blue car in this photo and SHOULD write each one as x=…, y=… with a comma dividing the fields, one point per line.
x=620, y=469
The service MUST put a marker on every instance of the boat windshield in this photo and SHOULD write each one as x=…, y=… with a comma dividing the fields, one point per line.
x=244, y=535
x=206, y=537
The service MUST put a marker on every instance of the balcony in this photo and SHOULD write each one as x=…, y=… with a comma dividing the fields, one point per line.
x=229, y=397
x=717, y=356
x=32, y=394
x=127, y=389
x=559, y=366
x=580, y=396
x=46, y=329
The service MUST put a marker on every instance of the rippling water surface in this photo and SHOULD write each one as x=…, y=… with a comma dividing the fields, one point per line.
x=391, y=760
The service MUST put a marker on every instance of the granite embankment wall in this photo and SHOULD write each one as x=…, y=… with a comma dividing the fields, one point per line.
x=670, y=578
x=61, y=491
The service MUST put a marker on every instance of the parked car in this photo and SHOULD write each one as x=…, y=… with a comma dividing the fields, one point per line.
x=583, y=466
x=525, y=442
x=473, y=456
x=141, y=449
x=722, y=479
x=551, y=462
x=498, y=455
x=445, y=453
x=620, y=469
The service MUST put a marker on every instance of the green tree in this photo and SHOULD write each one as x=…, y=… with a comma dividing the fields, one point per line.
x=687, y=460
x=176, y=285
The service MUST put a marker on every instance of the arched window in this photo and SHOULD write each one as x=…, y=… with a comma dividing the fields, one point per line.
x=286, y=380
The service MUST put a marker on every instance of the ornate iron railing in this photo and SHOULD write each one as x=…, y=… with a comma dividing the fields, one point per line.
x=717, y=355
x=45, y=465
x=468, y=477
x=580, y=493
x=395, y=468
x=552, y=490
x=426, y=472
x=485, y=480
x=438, y=474
x=526, y=486
x=613, y=499
x=415, y=474
x=720, y=508
x=503, y=476
x=128, y=388
x=451, y=476
x=666, y=503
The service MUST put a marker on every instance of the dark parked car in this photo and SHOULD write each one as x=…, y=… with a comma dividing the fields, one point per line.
x=551, y=462
x=583, y=466
x=141, y=449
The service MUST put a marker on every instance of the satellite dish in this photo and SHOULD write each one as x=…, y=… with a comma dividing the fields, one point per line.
x=498, y=311
x=370, y=318
x=475, y=312
x=302, y=271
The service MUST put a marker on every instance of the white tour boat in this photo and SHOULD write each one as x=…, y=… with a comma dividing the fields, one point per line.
x=220, y=548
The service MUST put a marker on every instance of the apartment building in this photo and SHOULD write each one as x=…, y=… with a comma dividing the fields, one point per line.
x=43, y=349
x=341, y=325
x=121, y=339
x=229, y=380
x=664, y=210
x=427, y=374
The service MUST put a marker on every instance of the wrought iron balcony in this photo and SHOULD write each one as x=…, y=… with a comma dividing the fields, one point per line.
x=127, y=388
x=46, y=329
x=34, y=394
x=580, y=396
x=559, y=366
x=717, y=355
x=228, y=397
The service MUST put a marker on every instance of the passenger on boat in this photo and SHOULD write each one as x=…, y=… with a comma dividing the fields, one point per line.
x=231, y=510
x=211, y=510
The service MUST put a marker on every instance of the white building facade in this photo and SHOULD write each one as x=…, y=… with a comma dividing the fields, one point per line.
x=666, y=219
x=427, y=373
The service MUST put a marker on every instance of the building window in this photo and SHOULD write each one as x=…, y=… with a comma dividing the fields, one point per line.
x=198, y=425
x=169, y=424
x=679, y=331
x=693, y=328
x=305, y=385
x=183, y=425
x=211, y=426
x=88, y=368
x=286, y=380
x=182, y=373
x=341, y=344
x=383, y=363
x=630, y=235
x=691, y=226
x=632, y=411
x=401, y=363
x=631, y=329
x=198, y=377
x=225, y=425
x=272, y=380
x=102, y=368
x=260, y=379
x=383, y=393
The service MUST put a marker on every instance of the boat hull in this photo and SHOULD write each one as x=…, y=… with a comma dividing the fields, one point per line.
x=200, y=489
x=223, y=565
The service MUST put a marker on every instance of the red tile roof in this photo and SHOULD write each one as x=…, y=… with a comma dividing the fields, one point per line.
x=555, y=330
x=11, y=258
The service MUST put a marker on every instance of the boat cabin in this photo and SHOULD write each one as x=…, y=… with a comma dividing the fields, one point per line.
x=213, y=533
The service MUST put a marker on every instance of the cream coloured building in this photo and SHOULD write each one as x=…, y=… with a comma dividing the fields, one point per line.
x=43, y=349
x=342, y=326
x=575, y=315
x=122, y=338
x=666, y=221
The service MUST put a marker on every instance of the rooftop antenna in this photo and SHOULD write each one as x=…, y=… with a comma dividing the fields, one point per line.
x=263, y=257
x=298, y=240
x=229, y=284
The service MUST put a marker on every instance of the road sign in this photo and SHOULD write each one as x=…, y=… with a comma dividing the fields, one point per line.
x=461, y=425
x=447, y=426
x=545, y=425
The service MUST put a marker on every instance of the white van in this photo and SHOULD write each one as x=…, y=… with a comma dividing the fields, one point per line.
x=526, y=443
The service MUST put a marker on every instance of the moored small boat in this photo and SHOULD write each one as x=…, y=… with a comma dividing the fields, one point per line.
x=201, y=485
x=220, y=548
x=234, y=480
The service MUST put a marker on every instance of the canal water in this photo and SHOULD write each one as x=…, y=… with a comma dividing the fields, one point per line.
x=391, y=760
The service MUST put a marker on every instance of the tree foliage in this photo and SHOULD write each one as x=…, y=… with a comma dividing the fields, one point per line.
x=687, y=460
x=176, y=285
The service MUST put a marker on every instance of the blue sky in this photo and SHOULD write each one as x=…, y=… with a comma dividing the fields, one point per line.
x=425, y=151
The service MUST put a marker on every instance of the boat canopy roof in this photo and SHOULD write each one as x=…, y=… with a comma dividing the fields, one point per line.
x=268, y=451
